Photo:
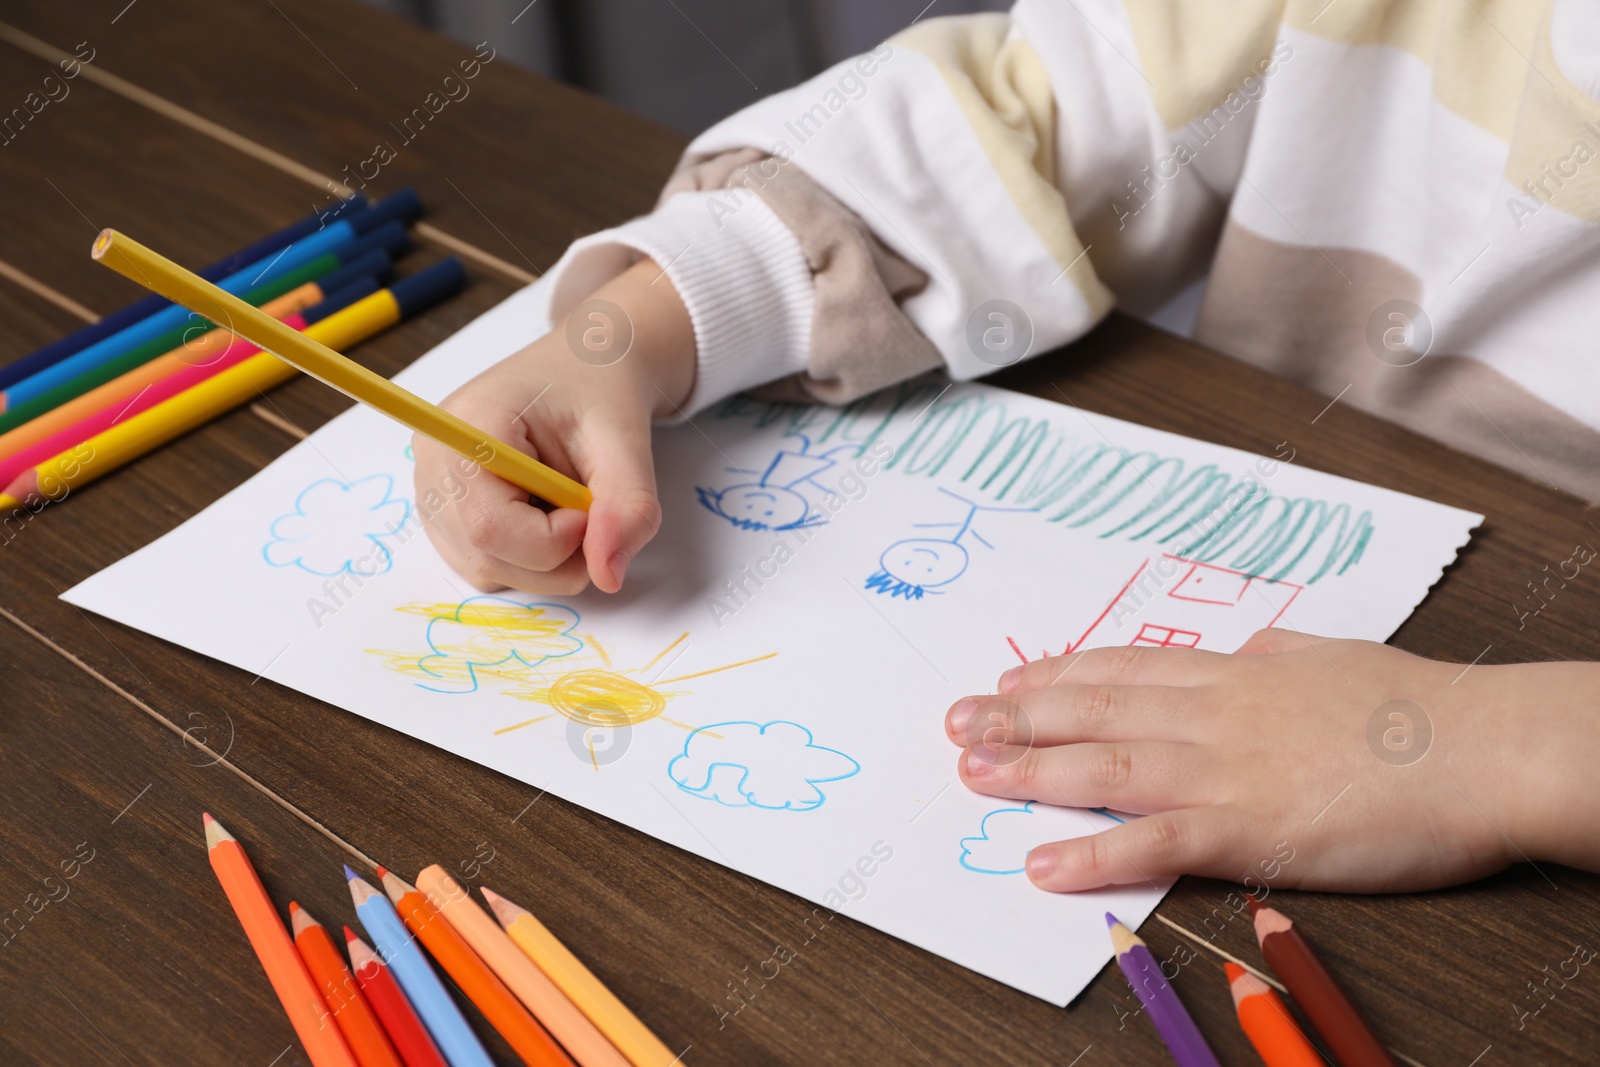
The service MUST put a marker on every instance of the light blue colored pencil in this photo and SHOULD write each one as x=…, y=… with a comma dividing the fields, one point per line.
x=422, y=987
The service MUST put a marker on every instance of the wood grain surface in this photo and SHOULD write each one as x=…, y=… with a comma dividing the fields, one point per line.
x=114, y=742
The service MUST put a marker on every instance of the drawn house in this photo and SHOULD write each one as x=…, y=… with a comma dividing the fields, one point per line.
x=1172, y=602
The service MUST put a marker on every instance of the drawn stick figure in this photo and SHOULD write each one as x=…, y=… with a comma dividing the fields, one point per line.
x=776, y=500
x=917, y=566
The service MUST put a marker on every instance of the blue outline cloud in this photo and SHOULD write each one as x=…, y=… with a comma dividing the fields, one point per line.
x=514, y=654
x=309, y=537
x=983, y=836
x=746, y=787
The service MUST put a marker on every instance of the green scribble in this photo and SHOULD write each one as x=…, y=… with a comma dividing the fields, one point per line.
x=1201, y=513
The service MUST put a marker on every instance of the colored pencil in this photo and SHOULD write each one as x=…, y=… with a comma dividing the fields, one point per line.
x=153, y=334
x=160, y=391
x=406, y=1032
x=285, y=970
x=1266, y=1021
x=133, y=437
x=1289, y=955
x=1161, y=1004
x=609, y=1015
x=548, y=1004
x=138, y=263
x=355, y=1019
x=107, y=325
x=325, y=278
x=422, y=987
x=449, y=950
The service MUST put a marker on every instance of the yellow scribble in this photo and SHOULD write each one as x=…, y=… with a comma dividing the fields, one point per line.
x=496, y=644
x=605, y=698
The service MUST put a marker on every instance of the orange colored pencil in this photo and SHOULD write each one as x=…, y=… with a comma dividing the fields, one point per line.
x=1266, y=1021
x=549, y=1005
x=350, y=1010
x=400, y=1020
x=631, y=1036
x=522, y=1032
x=194, y=353
x=285, y=970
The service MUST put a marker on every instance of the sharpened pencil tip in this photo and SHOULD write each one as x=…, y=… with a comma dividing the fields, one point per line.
x=1112, y=920
x=349, y=936
x=350, y=875
x=1255, y=905
x=489, y=894
x=293, y=907
x=206, y=819
x=1233, y=970
x=383, y=872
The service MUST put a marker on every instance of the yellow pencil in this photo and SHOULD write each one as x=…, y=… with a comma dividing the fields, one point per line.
x=609, y=1015
x=128, y=440
x=160, y=275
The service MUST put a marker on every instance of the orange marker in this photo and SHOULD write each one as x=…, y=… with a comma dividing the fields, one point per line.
x=285, y=970
x=483, y=935
x=1266, y=1021
x=350, y=1011
x=521, y=1031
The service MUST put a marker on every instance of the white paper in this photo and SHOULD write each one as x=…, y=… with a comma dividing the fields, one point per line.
x=785, y=687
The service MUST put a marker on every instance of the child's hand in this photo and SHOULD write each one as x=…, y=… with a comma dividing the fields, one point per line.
x=1373, y=769
x=587, y=417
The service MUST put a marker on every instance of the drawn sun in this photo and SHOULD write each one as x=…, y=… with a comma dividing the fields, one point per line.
x=534, y=652
x=610, y=698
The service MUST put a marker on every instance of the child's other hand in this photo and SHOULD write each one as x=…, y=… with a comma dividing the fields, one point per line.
x=587, y=417
x=1375, y=770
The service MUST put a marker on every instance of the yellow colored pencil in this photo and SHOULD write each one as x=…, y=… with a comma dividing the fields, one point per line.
x=612, y=1017
x=127, y=441
x=159, y=274
x=582, y=1040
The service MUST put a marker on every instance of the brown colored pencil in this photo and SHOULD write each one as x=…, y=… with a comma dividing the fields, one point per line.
x=1330, y=1011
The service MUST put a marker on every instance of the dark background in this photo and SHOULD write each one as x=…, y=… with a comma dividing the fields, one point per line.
x=682, y=63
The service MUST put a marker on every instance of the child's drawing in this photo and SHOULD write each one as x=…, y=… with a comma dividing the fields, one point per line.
x=1173, y=602
x=775, y=765
x=533, y=652
x=1007, y=449
x=777, y=499
x=1006, y=835
x=491, y=637
x=917, y=566
x=338, y=528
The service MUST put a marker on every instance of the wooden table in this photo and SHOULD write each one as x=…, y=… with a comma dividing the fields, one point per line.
x=136, y=958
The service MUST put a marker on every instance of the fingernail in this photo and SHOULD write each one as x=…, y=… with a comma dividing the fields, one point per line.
x=1040, y=863
x=1009, y=680
x=961, y=715
x=619, y=565
x=980, y=761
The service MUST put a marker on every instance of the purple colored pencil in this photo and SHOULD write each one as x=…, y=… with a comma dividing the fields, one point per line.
x=1167, y=1013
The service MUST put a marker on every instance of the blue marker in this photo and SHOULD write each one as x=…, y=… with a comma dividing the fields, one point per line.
x=380, y=218
x=422, y=987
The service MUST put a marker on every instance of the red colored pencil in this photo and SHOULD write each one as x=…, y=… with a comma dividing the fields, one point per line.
x=1348, y=1036
x=406, y=1032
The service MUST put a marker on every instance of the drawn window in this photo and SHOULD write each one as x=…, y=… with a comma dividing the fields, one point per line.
x=1165, y=637
x=1211, y=585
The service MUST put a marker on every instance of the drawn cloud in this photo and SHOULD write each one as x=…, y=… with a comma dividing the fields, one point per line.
x=775, y=765
x=339, y=528
x=1006, y=835
x=492, y=633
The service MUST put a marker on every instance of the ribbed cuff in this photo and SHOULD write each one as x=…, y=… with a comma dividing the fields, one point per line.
x=736, y=266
